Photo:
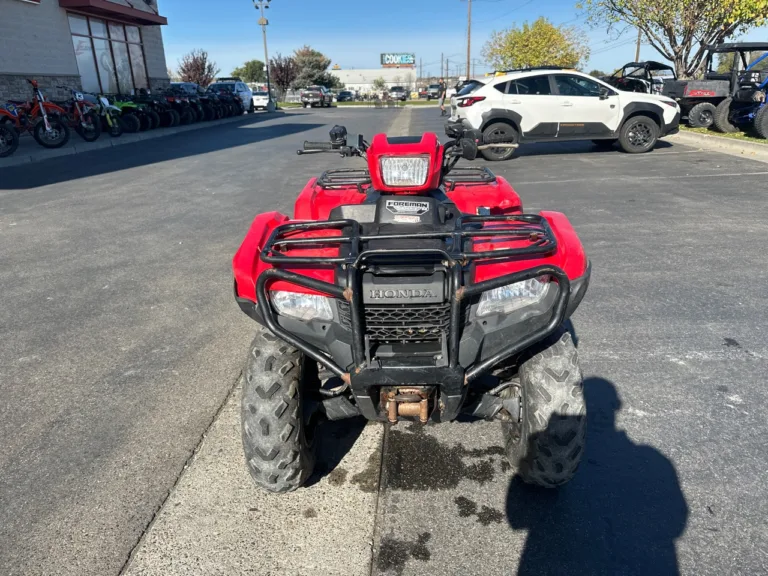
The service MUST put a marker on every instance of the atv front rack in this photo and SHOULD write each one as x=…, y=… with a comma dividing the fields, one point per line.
x=532, y=230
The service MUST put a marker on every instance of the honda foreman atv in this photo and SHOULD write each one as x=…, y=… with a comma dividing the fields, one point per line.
x=413, y=290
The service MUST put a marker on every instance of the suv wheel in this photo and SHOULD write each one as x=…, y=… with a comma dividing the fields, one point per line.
x=638, y=134
x=499, y=132
x=546, y=445
x=278, y=429
x=702, y=115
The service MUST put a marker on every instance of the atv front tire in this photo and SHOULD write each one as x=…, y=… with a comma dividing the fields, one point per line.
x=278, y=438
x=722, y=121
x=499, y=132
x=545, y=447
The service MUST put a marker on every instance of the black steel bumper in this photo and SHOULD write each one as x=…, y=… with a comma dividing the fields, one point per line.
x=364, y=375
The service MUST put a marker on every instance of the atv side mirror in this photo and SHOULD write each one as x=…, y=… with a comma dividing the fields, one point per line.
x=604, y=93
x=468, y=149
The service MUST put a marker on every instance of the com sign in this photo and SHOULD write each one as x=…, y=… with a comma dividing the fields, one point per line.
x=397, y=60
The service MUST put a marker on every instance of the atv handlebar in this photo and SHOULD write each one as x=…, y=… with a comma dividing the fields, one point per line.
x=317, y=146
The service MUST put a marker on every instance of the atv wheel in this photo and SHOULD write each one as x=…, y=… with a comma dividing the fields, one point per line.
x=702, y=115
x=545, y=447
x=131, y=123
x=638, y=134
x=604, y=144
x=145, y=122
x=208, y=113
x=186, y=117
x=154, y=117
x=722, y=121
x=761, y=122
x=175, y=118
x=278, y=437
x=499, y=132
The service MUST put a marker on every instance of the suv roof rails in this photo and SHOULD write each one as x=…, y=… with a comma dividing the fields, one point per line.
x=526, y=69
x=229, y=79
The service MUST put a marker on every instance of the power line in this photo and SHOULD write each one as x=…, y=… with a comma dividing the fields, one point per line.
x=505, y=13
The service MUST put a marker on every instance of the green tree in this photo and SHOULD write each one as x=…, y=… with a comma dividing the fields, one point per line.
x=195, y=67
x=312, y=67
x=251, y=71
x=679, y=30
x=539, y=44
x=598, y=73
x=379, y=84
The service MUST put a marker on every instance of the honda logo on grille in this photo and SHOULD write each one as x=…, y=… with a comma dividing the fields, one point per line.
x=410, y=293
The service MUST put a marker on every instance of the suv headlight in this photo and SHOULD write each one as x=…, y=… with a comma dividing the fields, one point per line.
x=404, y=170
x=513, y=296
x=301, y=306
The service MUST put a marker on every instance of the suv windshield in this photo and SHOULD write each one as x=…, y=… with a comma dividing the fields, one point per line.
x=397, y=89
x=434, y=86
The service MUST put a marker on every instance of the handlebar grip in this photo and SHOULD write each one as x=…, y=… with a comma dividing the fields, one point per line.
x=317, y=145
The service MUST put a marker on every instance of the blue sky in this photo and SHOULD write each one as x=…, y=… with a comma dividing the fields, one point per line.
x=353, y=33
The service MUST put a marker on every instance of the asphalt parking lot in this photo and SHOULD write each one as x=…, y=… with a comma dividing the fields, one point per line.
x=121, y=350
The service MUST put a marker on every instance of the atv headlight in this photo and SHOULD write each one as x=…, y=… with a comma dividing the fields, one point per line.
x=301, y=306
x=513, y=296
x=404, y=170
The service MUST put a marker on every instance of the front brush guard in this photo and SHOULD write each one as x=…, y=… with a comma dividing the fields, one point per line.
x=452, y=377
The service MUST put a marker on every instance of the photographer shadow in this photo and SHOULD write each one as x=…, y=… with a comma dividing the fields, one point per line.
x=619, y=515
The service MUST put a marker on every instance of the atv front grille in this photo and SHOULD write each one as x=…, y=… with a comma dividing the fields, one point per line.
x=396, y=323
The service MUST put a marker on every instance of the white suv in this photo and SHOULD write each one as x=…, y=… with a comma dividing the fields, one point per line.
x=556, y=104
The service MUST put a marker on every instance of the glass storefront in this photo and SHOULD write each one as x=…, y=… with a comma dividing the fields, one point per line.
x=110, y=55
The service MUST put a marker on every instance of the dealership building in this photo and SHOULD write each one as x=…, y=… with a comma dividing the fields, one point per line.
x=107, y=46
x=396, y=70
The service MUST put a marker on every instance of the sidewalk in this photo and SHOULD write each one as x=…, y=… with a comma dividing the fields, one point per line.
x=30, y=151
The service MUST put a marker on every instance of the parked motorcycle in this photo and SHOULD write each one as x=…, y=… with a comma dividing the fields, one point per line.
x=111, y=122
x=45, y=120
x=82, y=115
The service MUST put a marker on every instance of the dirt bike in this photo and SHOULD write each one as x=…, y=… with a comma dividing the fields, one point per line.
x=45, y=120
x=109, y=114
x=411, y=290
x=9, y=140
x=82, y=115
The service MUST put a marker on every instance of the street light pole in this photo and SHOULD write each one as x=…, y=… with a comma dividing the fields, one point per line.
x=261, y=5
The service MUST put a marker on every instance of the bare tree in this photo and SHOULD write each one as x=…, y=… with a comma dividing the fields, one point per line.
x=195, y=67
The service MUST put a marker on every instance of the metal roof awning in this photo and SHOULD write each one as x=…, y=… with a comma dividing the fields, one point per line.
x=106, y=9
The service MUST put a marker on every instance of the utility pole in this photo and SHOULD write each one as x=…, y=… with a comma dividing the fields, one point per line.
x=637, y=50
x=421, y=69
x=447, y=66
x=263, y=22
x=441, y=63
x=469, y=34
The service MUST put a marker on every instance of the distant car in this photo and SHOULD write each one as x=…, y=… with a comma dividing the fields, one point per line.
x=316, y=96
x=345, y=96
x=433, y=91
x=423, y=93
x=260, y=99
x=236, y=87
x=398, y=93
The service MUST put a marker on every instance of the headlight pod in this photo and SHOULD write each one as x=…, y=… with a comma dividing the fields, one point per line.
x=513, y=296
x=404, y=170
x=301, y=306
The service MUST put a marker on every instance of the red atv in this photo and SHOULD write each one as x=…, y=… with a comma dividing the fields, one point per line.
x=413, y=290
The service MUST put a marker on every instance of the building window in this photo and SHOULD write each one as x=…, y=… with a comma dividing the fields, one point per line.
x=110, y=55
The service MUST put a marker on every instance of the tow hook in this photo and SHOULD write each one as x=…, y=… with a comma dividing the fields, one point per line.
x=408, y=402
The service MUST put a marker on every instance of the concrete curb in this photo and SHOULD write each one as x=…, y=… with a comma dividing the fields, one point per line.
x=722, y=144
x=106, y=141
